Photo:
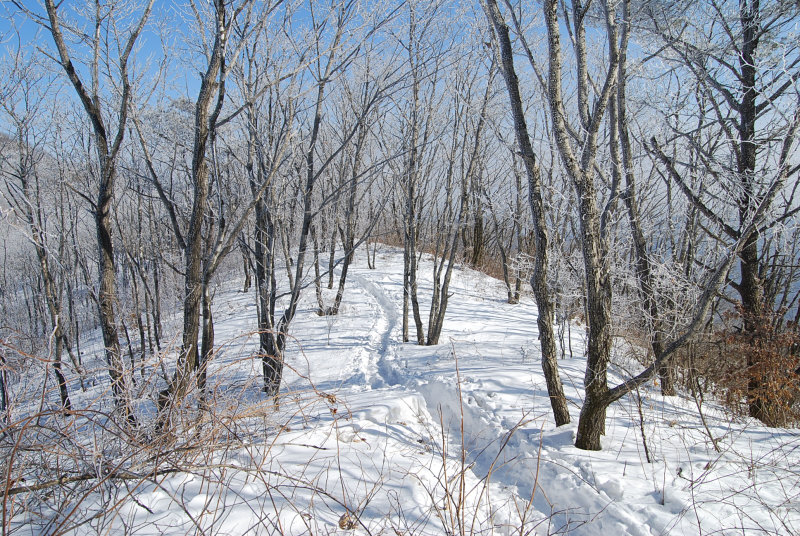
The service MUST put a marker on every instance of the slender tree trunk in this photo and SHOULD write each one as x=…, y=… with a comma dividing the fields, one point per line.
x=477, y=236
x=349, y=230
x=156, y=305
x=265, y=238
x=414, y=297
x=107, y=148
x=580, y=169
x=541, y=291
x=410, y=296
x=51, y=294
x=212, y=85
x=347, y=261
x=5, y=409
x=751, y=291
x=371, y=256
x=137, y=308
x=643, y=267
x=207, y=348
x=107, y=295
x=245, y=264
x=406, y=289
x=332, y=256
x=276, y=339
x=751, y=285
x=321, y=309
x=66, y=404
x=264, y=249
x=441, y=296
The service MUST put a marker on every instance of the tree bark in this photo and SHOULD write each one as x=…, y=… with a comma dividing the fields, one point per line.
x=243, y=248
x=558, y=400
x=643, y=267
x=751, y=286
x=107, y=151
x=5, y=409
x=212, y=84
x=580, y=170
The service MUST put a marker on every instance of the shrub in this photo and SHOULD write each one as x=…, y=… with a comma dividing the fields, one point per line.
x=760, y=367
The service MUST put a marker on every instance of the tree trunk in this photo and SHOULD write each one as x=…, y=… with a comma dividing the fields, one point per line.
x=317, y=277
x=51, y=294
x=207, y=349
x=156, y=306
x=592, y=422
x=107, y=296
x=264, y=248
x=580, y=169
x=412, y=291
x=406, y=288
x=541, y=291
x=66, y=404
x=5, y=410
x=349, y=231
x=477, y=237
x=751, y=288
x=332, y=256
x=272, y=365
x=107, y=151
x=643, y=267
x=212, y=85
x=348, y=243
x=245, y=265
x=752, y=293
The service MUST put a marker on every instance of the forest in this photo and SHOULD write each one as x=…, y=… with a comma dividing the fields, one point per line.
x=630, y=166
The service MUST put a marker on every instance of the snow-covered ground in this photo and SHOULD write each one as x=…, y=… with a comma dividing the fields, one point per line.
x=374, y=436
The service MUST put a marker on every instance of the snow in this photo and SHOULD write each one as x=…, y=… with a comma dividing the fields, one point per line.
x=376, y=436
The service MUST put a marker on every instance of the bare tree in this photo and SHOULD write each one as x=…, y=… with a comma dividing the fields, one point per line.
x=212, y=91
x=108, y=76
x=621, y=152
x=210, y=235
x=539, y=280
x=359, y=166
x=744, y=63
x=463, y=155
x=26, y=192
x=415, y=138
x=269, y=113
x=325, y=58
x=505, y=233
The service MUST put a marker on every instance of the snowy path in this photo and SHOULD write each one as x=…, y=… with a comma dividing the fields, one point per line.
x=373, y=428
x=503, y=410
x=382, y=337
x=483, y=385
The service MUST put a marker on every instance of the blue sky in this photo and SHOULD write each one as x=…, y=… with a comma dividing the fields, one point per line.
x=18, y=30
